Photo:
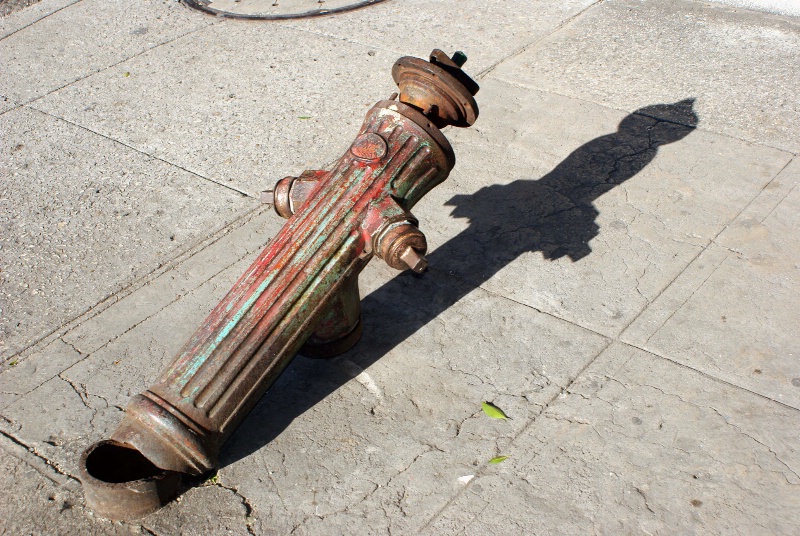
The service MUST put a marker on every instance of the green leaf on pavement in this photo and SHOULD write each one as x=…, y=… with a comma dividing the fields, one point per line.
x=497, y=459
x=493, y=411
x=304, y=117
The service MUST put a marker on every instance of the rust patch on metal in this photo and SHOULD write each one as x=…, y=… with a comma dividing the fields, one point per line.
x=121, y=484
x=439, y=88
x=369, y=146
x=299, y=295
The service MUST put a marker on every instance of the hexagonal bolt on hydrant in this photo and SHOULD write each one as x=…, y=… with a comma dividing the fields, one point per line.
x=299, y=295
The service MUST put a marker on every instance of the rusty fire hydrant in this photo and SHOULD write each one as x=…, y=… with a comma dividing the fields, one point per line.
x=300, y=294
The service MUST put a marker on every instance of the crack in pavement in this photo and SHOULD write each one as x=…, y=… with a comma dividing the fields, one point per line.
x=68, y=479
x=250, y=510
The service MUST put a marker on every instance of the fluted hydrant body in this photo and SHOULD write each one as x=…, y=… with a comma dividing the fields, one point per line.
x=301, y=293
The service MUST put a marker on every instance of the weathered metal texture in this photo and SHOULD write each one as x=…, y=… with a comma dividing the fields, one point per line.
x=181, y=422
x=120, y=483
x=301, y=292
x=439, y=88
x=339, y=327
x=292, y=192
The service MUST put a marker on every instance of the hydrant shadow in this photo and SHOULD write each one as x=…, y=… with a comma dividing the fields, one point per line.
x=554, y=215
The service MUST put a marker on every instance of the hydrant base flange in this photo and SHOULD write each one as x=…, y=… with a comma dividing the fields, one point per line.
x=329, y=349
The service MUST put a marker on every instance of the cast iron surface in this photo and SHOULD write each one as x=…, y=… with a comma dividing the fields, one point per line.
x=120, y=483
x=438, y=87
x=300, y=294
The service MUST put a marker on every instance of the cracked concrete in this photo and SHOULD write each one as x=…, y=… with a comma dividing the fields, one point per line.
x=596, y=446
x=111, y=203
x=614, y=263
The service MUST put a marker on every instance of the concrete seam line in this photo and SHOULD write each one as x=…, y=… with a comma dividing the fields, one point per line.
x=713, y=240
x=37, y=461
x=114, y=140
x=131, y=287
x=481, y=75
x=41, y=19
x=709, y=376
x=107, y=67
x=522, y=431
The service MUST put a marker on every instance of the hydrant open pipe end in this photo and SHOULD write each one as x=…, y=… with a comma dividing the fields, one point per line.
x=300, y=295
x=119, y=483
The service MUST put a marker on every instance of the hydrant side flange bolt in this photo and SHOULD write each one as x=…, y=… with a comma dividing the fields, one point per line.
x=403, y=246
x=299, y=295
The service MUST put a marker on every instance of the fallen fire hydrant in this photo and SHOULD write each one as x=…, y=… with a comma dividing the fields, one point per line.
x=300, y=294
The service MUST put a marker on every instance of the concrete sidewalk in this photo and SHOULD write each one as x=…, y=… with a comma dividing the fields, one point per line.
x=614, y=262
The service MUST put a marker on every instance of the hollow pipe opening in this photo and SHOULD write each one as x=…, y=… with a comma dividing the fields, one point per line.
x=115, y=463
x=120, y=483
